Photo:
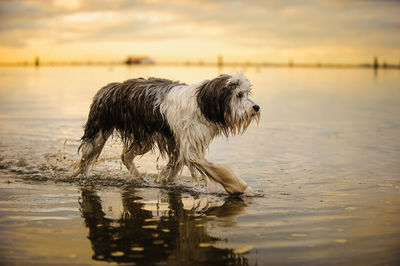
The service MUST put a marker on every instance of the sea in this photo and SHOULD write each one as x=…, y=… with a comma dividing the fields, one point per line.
x=322, y=165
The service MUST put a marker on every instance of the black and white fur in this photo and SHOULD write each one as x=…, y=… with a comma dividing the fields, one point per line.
x=179, y=119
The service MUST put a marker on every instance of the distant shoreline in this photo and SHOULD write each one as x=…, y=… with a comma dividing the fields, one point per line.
x=206, y=64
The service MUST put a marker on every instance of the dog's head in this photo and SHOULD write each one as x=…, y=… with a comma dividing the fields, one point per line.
x=225, y=102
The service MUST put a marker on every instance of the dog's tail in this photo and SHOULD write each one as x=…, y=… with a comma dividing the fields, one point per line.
x=91, y=149
x=91, y=130
x=95, y=125
x=100, y=117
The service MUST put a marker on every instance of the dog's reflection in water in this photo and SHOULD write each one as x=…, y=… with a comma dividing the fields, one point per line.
x=173, y=236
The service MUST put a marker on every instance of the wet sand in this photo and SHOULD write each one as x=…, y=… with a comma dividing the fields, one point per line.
x=323, y=167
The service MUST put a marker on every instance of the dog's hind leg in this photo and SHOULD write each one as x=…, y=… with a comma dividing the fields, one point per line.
x=91, y=150
x=129, y=153
x=127, y=158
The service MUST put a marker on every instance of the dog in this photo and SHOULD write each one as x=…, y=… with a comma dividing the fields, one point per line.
x=179, y=119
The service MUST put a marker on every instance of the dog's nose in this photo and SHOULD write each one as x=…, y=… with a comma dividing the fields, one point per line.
x=256, y=108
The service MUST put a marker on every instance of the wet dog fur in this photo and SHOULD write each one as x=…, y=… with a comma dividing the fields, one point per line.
x=179, y=119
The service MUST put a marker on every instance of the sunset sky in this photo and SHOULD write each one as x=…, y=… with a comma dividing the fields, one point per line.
x=352, y=31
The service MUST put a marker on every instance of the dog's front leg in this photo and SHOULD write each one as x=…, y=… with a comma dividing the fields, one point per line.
x=169, y=172
x=231, y=182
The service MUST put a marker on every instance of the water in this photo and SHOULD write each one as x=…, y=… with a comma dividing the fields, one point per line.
x=323, y=167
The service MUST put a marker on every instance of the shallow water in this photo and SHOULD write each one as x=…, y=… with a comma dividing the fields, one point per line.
x=323, y=167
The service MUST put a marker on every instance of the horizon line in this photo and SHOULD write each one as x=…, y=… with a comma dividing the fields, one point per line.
x=291, y=63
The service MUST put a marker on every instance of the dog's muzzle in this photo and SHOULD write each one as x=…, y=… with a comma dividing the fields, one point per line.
x=256, y=108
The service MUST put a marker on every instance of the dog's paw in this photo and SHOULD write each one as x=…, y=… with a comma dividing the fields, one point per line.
x=134, y=172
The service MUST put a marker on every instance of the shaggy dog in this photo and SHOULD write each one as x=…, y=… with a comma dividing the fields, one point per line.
x=179, y=119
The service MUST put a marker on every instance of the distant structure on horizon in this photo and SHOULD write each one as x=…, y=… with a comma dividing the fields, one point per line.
x=220, y=60
x=376, y=64
x=37, y=61
x=138, y=60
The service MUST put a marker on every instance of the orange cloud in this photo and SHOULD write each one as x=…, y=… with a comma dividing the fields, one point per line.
x=310, y=31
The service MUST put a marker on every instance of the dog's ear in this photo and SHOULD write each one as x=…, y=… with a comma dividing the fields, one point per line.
x=232, y=84
x=214, y=97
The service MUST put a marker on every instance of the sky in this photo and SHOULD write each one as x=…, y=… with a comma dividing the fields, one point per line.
x=335, y=31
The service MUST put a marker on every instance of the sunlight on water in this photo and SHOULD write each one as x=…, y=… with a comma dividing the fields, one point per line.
x=323, y=166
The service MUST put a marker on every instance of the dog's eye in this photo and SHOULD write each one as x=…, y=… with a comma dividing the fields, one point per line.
x=240, y=95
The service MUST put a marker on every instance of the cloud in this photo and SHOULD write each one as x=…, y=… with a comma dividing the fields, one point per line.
x=257, y=29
